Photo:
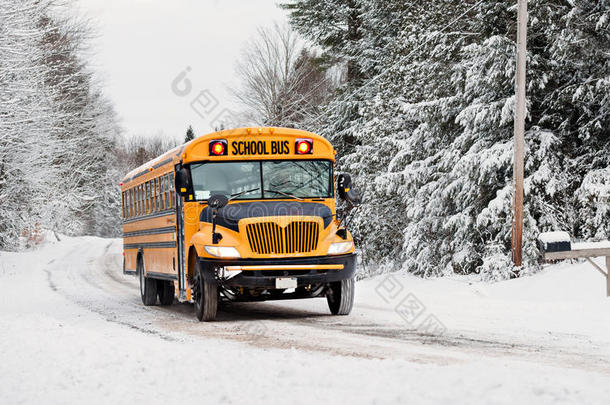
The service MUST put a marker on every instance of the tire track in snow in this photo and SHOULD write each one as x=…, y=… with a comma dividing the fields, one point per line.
x=100, y=287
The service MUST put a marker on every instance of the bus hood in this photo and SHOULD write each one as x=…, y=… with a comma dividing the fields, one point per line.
x=229, y=216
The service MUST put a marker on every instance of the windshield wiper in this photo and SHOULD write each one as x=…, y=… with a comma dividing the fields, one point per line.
x=284, y=194
x=234, y=196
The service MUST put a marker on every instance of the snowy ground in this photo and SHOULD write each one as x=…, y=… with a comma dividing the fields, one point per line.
x=73, y=330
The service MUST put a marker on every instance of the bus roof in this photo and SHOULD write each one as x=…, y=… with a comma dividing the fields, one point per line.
x=198, y=149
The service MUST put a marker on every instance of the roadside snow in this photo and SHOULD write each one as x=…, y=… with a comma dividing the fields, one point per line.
x=553, y=237
x=72, y=331
x=591, y=245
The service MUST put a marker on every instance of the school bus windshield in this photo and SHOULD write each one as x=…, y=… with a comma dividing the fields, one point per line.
x=277, y=179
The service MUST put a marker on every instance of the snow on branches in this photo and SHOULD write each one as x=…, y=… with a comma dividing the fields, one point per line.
x=57, y=131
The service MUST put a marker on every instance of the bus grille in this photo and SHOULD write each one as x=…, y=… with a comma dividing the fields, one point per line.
x=270, y=238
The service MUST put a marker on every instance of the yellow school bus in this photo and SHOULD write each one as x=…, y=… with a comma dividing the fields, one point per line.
x=245, y=214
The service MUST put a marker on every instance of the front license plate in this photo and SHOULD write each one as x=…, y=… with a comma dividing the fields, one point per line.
x=283, y=282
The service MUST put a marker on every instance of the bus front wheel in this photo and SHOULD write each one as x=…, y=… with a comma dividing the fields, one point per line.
x=205, y=295
x=148, y=287
x=340, y=296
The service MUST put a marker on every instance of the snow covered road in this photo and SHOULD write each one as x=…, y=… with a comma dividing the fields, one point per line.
x=73, y=329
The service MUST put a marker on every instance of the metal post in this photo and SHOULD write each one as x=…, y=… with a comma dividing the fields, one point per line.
x=520, y=133
x=608, y=276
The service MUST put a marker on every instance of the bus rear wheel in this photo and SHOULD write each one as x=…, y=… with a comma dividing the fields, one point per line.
x=205, y=295
x=166, y=292
x=340, y=296
x=148, y=287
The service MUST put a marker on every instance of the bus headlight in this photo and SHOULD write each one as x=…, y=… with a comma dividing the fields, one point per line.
x=340, y=247
x=222, y=251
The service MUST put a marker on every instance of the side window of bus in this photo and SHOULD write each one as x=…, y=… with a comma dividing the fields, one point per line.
x=152, y=196
x=135, y=201
x=172, y=198
x=157, y=194
x=149, y=197
x=146, y=206
x=166, y=188
x=162, y=194
x=142, y=207
x=129, y=206
x=140, y=200
x=138, y=196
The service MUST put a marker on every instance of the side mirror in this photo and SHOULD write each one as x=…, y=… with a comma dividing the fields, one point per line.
x=217, y=201
x=182, y=181
x=345, y=191
x=344, y=183
x=354, y=197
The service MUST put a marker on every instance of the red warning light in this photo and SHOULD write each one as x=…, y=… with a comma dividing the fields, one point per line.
x=218, y=147
x=304, y=146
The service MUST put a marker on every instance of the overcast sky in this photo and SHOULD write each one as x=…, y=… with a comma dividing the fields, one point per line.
x=144, y=45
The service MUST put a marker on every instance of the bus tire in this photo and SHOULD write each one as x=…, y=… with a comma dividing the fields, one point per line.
x=340, y=296
x=205, y=297
x=166, y=292
x=148, y=287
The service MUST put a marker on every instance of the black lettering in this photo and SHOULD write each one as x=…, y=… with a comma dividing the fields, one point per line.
x=286, y=148
x=247, y=148
x=234, y=145
x=274, y=148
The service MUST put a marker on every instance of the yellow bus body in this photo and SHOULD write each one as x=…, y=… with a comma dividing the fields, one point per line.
x=163, y=230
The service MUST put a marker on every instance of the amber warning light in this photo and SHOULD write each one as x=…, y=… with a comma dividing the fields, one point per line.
x=304, y=146
x=218, y=147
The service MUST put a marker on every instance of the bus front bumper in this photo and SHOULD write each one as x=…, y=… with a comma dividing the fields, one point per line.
x=262, y=273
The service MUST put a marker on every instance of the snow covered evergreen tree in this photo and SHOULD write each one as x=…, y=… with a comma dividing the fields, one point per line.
x=430, y=134
x=190, y=134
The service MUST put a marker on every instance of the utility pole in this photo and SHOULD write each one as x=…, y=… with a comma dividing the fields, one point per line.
x=520, y=133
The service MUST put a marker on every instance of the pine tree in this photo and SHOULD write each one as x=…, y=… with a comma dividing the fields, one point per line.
x=190, y=134
x=428, y=133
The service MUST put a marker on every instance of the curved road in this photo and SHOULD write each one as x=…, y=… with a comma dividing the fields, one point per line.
x=276, y=351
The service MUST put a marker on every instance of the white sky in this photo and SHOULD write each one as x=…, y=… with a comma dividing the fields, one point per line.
x=143, y=45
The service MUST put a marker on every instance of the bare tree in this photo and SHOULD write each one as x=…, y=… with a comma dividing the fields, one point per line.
x=57, y=130
x=281, y=80
x=139, y=149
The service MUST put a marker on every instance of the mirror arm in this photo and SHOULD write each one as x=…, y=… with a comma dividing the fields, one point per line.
x=216, y=237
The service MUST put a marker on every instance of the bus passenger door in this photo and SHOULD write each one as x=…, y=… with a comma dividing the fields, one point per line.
x=180, y=244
